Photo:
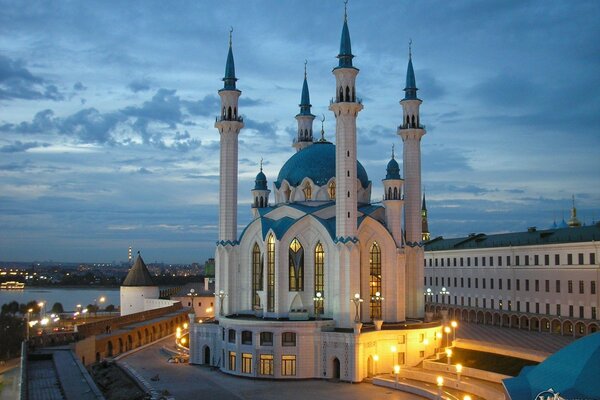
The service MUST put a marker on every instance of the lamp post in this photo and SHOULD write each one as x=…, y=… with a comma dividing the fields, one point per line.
x=356, y=300
x=318, y=299
x=458, y=371
x=446, y=331
x=440, y=385
x=394, y=350
x=448, y=355
x=221, y=295
x=375, y=359
x=454, y=325
x=428, y=293
x=27, y=324
x=42, y=307
x=378, y=299
x=445, y=292
x=396, y=372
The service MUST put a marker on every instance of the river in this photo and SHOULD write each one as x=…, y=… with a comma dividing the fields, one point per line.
x=68, y=297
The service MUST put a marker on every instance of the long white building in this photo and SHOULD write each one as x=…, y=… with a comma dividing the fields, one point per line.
x=540, y=280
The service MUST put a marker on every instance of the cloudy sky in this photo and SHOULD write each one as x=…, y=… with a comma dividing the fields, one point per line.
x=107, y=111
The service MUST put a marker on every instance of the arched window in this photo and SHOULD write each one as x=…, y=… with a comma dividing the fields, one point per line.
x=331, y=190
x=296, y=266
x=353, y=94
x=413, y=121
x=375, y=280
x=307, y=191
x=341, y=94
x=270, y=273
x=389, y=196
x=395, y=193
x=256, y=202
x=347, y=93
x=257, y=275
x=319, y=276
x=234, y=112
x=229, y=113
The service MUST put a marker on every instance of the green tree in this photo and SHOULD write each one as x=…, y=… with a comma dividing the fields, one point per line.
x=57, y=308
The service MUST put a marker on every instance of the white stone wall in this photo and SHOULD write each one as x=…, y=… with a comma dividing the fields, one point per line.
x=133, y=298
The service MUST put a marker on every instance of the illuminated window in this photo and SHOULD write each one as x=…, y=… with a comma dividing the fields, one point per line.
x=266, y=364
x=232, y=360
x=257, y=275
x=307, y=191
x=296, y=266
x=331, y=190
x=375, y=280
x=246, y=363
x=271, y=273
x=288, y=365
x=319, y=276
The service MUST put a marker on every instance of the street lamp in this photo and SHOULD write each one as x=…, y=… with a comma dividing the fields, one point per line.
x=440, y=385
x=318, y=299
x=396, y=372
x=221, y=295
x=448, y=355
x=467, y=397
x=458, y=371
x=41, y=305
x=356, y=300
x=375, y=359
x=428, y=293
x=377, y=298
x=446, y=331
x=394, y=350
x=454, y=325
x=27, y=325
x=444, y=292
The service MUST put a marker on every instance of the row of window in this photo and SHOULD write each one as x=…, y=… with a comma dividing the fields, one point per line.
x=557, y=284
x=265, y=364
x=509, y=306
x=527, y=260
x=288, y=339
x=296, y=274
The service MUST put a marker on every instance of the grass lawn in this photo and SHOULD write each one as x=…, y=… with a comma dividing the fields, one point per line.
x=488, y=361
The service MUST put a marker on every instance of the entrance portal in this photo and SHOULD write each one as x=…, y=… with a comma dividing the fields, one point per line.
x=336, y=368
x=207, y=355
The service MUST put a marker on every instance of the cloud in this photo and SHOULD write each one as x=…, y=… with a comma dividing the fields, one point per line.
x=18, y=146
x=139, y=85
x=445, y=159
x=17, y=82
x=144, y=171
x=209, y=105
x=79, y=87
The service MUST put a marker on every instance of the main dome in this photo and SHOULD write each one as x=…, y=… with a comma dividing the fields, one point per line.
x=316, y=162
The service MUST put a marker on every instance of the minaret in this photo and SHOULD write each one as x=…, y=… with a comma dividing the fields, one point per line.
x=424, y=225
x=260, y=193
x=392, y=199
x=345, y=107
x=229, y=125
x=304, y=118
x=573, y=221
x=411, y=131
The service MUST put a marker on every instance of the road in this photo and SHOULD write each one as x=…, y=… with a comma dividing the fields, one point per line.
x=192, y=382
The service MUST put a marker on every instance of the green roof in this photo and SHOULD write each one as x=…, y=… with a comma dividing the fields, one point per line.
x=531, y=237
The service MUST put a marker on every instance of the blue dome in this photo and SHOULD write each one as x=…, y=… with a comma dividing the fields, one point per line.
x=316, y=162
x=260, y=183
x=393, y=170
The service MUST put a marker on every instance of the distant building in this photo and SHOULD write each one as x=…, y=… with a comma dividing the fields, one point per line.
x=198, y=296
x=209, y=267
x=540, y=280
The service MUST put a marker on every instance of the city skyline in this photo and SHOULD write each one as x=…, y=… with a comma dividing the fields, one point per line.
x=108, y=111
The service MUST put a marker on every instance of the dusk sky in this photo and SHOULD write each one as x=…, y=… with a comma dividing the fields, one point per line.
x=107, y=111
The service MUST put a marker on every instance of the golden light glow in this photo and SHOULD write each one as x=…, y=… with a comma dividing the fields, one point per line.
x=185, y=325
x=440, y=381
x=375, y=357
x=183, y=340
x=449, y=352
x=438, y=335
x=467, y=397
x=447, y=329
x=209, y=310
x=454, y=324
x=393, y=349
x=102, y=299
x=425, y=341
x=459, y=368
x=396, y=369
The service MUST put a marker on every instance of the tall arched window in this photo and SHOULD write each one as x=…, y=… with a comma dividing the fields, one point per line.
x=319, y=276
x=375, y=280
x=296, y=266
x=307, y=191
x=331, y=190
x=257, y=275
x=270, y=273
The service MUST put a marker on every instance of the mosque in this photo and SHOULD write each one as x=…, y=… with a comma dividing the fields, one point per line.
x=323, y=282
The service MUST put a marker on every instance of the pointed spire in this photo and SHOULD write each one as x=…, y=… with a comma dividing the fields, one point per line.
x=230, y=78
x=411, y=82
x=322, y=129
x=393, y=169
x=305, y=100
x=260, y=183
x=393, y=152
x=345, y=55
x=424, y=206
x=573, y=221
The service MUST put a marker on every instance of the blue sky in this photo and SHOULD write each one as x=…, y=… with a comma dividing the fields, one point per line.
x=107, y=112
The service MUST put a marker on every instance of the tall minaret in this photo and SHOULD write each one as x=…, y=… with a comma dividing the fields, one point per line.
x=229, y=125
x=392, y=199
x=304, y=118
x=345, y=108
x=424, y=224
x=411, y=131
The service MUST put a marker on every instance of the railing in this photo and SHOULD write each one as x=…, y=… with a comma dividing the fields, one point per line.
x=224, y=118
x=334, y=101
x=411, y=126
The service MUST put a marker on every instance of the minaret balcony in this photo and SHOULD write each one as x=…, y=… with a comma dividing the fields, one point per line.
x=224, y=118
x=411, y=126
x=334, y=101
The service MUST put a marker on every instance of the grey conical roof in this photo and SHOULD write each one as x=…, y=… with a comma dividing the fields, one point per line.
x=138, y=275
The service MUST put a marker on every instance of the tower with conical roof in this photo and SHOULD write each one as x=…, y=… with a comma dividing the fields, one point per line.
x=304, y=118
x=229, y=124
x=260, y=193
x=346, y=106
x=424, y=224
x=392, y=199
x=411, y=131
x=137, y=287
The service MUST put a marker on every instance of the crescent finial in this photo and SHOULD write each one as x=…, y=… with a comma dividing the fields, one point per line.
x=230, y=35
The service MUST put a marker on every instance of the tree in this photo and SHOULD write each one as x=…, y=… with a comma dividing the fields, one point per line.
x=110, y=308
x=57, y=308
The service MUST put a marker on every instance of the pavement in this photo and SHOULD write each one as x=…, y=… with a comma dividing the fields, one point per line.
x=184, y=381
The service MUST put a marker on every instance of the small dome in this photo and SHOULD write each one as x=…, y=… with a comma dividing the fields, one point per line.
x=260, y=183
x=316, y=162
x=393, y=170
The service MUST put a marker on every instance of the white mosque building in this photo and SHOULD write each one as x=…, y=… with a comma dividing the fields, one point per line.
x=322, y=283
